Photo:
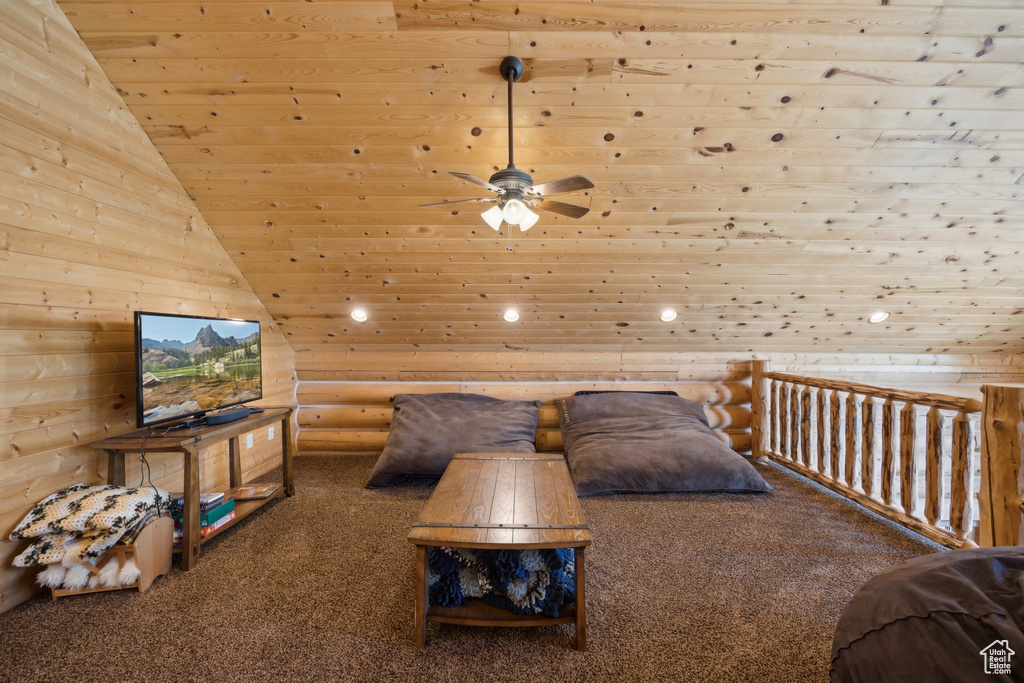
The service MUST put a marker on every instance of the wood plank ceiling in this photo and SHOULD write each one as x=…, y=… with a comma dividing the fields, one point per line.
x=774, y=171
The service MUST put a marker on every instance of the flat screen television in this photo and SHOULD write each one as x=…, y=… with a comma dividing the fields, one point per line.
x=187, y=366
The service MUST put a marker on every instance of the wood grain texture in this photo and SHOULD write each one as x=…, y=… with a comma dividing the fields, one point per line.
x=503, y=501
x=340, y=417
x=946, y=519
x=810, y=162
x=1001, y=494
x=909, y=488
x=888, y=465
x=95, y=226
x=775, y=171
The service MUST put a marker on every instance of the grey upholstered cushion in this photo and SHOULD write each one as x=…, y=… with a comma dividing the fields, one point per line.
x=626, y=441
x=935, y=619
x=428, y=429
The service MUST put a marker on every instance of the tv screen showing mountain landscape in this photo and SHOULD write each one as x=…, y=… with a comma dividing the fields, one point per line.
x=191, y=365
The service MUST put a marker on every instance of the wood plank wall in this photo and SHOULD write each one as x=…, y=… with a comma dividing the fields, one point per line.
x=348, y=411
x=93, y=226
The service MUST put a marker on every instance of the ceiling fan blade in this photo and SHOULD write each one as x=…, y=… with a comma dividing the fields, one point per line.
x=459, y=201
x=575, y=182
x=563, y=209
x=477, y=181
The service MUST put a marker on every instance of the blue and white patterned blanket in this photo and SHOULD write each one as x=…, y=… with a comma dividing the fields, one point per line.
x=520, y=581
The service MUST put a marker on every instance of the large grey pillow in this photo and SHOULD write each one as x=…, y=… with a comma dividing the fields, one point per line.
x=936, y=618
x=428, y=429
x=638, y=442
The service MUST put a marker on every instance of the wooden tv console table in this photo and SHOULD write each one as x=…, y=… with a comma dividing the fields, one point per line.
x=189, y=442
x=513, y=501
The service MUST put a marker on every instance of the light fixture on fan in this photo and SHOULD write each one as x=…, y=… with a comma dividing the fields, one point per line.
x=516, y=195
x=514, y=212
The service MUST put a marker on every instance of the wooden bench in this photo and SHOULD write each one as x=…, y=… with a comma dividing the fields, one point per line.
x=505, y=501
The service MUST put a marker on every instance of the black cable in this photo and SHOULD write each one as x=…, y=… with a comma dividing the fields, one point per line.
x=146, y=472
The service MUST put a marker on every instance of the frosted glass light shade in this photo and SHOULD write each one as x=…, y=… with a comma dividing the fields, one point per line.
x=359, y=315
x=511, y=315
x=668, y=315
x=528, y=220
x=493, y=216
x=514, y=211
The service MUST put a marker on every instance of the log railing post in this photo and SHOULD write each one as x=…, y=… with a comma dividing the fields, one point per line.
x=908, y=460
x=933, y=466
x=822, y=404
x=960, y=476
x=888, y=450
x=776, y=417
x=794, y=421
x=788, y=438
x=851, y=440
x=835, y=426
x=805, y=427
x=1002, y=435
x=759, y=411
x=867, y=447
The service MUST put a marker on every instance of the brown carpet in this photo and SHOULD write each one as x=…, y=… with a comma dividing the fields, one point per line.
x=697, y=587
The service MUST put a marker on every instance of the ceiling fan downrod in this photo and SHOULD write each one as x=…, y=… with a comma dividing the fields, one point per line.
x=511, y=179
x=511, y=70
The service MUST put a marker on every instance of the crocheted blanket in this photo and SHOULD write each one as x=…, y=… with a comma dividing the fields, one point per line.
x=519, y=581
x=79, y=523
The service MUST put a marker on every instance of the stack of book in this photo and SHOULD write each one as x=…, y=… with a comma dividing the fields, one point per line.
x=214, y=512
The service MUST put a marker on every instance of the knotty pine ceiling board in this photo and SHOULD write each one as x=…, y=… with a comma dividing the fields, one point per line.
x=774, y=171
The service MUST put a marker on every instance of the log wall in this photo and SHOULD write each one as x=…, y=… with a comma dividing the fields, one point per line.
x=345, y=397
x=93, y=226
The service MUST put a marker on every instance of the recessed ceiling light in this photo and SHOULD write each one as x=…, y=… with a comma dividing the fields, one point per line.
x=511, y=315
x=359, y=315
x=878, y=316
x=668, y=315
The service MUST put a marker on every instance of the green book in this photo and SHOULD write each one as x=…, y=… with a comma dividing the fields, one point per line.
x=211, y=516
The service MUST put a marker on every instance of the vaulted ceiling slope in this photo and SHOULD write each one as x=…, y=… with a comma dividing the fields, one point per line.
x=774, y=171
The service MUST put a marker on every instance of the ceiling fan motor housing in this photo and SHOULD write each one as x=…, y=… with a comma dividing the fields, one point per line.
x=511, y=179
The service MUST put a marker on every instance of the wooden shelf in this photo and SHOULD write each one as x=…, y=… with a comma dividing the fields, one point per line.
x=243, y=508
x=191, y=443
x=478, y=613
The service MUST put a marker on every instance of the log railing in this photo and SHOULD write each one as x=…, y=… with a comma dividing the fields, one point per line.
x=910, y=456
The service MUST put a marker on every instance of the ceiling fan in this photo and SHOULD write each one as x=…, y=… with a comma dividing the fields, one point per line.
x=515, y=192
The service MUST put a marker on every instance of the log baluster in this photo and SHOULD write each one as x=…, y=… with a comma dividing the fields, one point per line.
x=908, y=460
x=867, y=447
x=960, y=476
x=933, y=466
x=786, y=420
x=836, y=427
x=888, y=451
x=822, y=432
x=805, y=426
x=794, y=422
x=776, y=419
x=852, y=404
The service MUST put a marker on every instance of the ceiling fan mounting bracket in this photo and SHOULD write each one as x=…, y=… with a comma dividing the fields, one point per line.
x=511, y=67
